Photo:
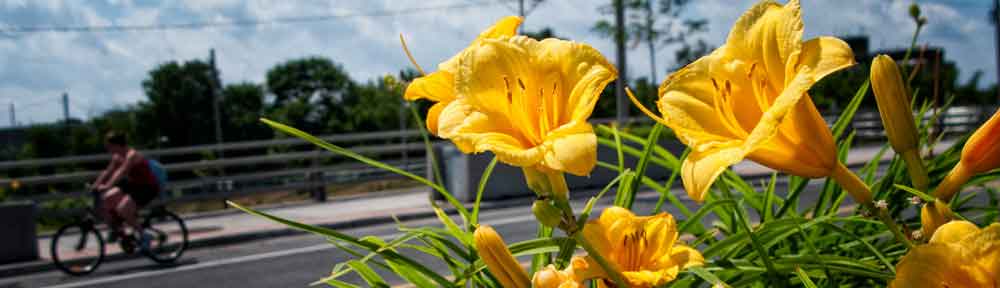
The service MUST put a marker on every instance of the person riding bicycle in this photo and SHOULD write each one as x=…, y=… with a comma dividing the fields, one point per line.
x=126, y=185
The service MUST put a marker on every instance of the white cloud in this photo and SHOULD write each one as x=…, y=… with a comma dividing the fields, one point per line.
x=103, y=70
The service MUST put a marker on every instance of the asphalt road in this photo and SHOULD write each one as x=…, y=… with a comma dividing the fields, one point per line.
x=292, y=261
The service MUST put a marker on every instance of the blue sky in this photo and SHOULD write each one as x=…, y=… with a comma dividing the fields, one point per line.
x=104, y=70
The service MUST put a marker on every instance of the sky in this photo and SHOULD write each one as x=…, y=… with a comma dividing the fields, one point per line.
x=104, y=70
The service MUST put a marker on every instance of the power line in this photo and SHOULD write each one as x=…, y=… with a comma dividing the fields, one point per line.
x=232, y=23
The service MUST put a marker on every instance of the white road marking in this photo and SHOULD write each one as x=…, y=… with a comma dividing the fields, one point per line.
x=249, y=258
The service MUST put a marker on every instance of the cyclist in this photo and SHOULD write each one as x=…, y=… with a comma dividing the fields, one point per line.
x=127, y=184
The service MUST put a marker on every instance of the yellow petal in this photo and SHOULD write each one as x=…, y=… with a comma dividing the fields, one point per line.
x=432, y=116
x=939, y=265
x=572, y=148
x=825, y=55
x=984, y=248
x=700, y=169
x=582, y=72
x=954, y=232
x=688, y=100
x=769, y=32
x=438, y=86
x=505, y=27
x=686, y=256
x=982, y=151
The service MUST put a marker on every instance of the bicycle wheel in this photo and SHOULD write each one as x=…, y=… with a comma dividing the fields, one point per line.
x=77, y=248
x=168, y=236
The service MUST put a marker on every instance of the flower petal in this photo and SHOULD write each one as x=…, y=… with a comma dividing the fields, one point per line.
x=954, y=232
x=438, y=86
x=581, y=69
x=938, y=265
x=769, y=32
x=572, y=148
x=700, y=169
x=505, y=27
x=432, y=116
x=825, y=55
x=685, y=256
x=688, y=100
x=984, y=247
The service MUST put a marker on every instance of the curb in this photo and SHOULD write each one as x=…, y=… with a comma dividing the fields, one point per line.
x=39, y=266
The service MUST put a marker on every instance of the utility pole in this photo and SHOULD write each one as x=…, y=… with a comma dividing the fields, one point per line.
x=215, y=87
x=650, y=37
x=620, y=104
x=520, y=8
x=996, y=38
x=65, y=103
x=13, y=119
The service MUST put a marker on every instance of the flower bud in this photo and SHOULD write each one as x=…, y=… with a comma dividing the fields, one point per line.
x=933, y=215
x=546, y=213
x=498, y=259
x=894, y=107
x=981, y=153
x=549, y=277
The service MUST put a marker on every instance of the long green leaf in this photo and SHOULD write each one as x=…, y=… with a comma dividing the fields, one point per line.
x=374, y=163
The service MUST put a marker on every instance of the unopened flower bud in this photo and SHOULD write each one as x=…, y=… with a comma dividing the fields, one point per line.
x=893, y=101
x=981, y=153
x=546, y=213
x=550, y=277
x=499, y=261
x=914, y=11
x=933, y=215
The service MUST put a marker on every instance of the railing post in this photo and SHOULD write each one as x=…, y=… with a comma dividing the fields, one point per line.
x=318, y=189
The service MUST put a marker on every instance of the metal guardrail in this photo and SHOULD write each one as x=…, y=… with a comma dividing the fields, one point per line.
x=304, y=170
x=281, y=171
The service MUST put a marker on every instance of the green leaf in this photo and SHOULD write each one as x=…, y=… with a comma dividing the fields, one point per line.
x=388, y=254
x=479, y=191
x=640, y=167
x=806, y=281
x=707, y=276
x=366, y=273
x=372, y=162
x=852, y=107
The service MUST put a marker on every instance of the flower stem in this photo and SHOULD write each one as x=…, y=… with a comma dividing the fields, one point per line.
x=916, y=169
x=862, y=194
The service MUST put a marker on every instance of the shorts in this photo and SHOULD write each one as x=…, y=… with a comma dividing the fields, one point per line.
x=140, y=193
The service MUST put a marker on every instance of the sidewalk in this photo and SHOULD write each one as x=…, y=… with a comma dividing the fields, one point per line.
x=232, y=226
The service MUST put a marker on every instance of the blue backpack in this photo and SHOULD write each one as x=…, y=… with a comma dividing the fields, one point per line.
x=159, y=172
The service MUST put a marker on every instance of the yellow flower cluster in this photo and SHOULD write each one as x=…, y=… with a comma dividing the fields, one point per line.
x=528, y=102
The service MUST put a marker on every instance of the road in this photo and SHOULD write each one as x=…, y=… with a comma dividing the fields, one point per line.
x=292, y=261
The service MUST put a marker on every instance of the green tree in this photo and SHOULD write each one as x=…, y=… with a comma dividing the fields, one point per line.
x=309, y=93
x=242, y=105
x=180, y=97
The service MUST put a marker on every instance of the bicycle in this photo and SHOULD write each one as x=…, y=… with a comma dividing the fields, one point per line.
x=78, y=248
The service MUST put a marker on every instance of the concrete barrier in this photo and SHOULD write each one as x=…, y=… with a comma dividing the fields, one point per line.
x=19, y=242
x=462, y=172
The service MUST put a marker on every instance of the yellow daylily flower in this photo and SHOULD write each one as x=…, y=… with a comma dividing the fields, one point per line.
x=894, y=108
x=528, y=101
x=643, y=249
x=439, y=86
x=498, y=259
x=747, y=99
x=958, y=255
x=981, y=153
